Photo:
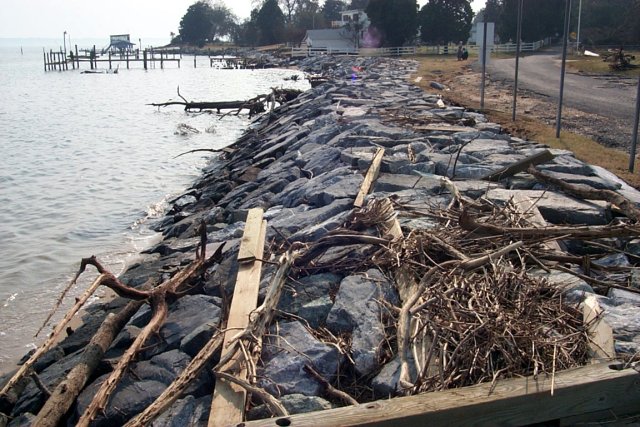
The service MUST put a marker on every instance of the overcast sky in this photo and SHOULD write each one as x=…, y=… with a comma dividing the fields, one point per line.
x=93, y=18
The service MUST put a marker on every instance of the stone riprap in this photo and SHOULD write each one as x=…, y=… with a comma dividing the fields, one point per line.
x=304, y=164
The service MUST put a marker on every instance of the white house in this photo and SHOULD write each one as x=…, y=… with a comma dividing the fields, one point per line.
x=344, y=37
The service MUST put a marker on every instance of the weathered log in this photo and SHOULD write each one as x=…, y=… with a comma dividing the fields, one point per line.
x=578, y=232
x=160, y=309
x=586, y=192
x=68, y=390
x=179, y=385
x=520, y=166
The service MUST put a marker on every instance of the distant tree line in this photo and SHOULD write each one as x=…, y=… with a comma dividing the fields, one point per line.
x=601, y=22
x=396, y=22
x=400, y=22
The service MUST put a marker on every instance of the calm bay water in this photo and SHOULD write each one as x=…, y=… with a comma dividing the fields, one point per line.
x=84, y=163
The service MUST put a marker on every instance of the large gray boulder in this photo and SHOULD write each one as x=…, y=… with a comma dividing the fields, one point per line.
x=357, y=311
x=285, y=355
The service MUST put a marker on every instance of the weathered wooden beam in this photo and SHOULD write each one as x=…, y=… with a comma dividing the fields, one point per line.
x=370, y=177
x=250, y=246
x=604, y=389
x=520, y=166
x=228, y=404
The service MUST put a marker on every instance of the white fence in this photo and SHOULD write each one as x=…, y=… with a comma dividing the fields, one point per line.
x=415, y=50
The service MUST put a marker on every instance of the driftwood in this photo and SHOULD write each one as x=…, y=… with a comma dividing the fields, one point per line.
x=68, y=390
x=255, y=105
x=586, y=192
x=157, y=298
x=260, y=320
x=520, y=166
x=467, y=222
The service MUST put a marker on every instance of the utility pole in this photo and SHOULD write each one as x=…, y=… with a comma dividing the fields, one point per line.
x=515, y=78
x=567, y=12
x=484, y=60
x=578, y=34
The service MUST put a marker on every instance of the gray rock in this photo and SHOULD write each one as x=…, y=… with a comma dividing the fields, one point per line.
x=290, y=221
x=129, y=398
x=315, y=312
x=187, y=412
x=185, y=315
x=196, y=339
x=385, y=384
x=285, y=355
x=316, y=231
x=358, y=311
x=294, y=404
x=557, y=208
x=24, y=420
x=306, y=289
x=32, y=399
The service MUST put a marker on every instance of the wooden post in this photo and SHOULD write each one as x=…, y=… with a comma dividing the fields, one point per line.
x=229, y=400
x=95, y=57
x=161, y=61
x=109, y=59
x=77, y=59
x=127, y=57
x=194, y=60
x=44, y=57
x=370, y=177
x=144, y=58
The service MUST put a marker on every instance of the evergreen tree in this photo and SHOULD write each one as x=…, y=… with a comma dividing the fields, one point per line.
x=446, y=21
x=395, y=20
x=270, y=22
x=358, y=5
x=332, y=9
x=204, y=22
x=540, y=19
x=195, y=25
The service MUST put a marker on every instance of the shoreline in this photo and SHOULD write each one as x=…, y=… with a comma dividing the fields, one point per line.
x=304, y=166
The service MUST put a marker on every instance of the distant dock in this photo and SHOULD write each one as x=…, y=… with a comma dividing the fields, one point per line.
x=90, y=59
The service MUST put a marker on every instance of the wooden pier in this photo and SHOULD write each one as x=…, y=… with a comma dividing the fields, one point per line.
x=150, y=58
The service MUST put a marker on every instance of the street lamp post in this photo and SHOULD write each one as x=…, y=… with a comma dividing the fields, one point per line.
x=578, y=34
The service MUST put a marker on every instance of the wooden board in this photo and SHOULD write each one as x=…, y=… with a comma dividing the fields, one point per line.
x=250, y=245
x=520, y=166
x=443, y=128
x=600, y=333
x=594, y=389
x=369, y=178
x=227, y=406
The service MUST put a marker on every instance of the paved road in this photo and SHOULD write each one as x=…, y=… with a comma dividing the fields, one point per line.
x=608, y=96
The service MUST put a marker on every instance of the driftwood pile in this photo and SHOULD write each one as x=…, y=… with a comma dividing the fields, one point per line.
x=619, y=60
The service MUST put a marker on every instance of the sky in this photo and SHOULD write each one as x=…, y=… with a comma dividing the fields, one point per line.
x=99, y=19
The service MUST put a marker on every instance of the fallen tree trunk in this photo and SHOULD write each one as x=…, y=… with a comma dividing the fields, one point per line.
x=583, y=191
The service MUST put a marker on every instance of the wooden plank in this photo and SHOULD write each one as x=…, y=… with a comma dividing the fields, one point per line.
x=370, y=177
x=250, y=244
x=519, y=401
x=520, y=166
x=229, y=400
x=443, y=128
x=601, y=336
